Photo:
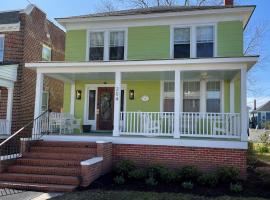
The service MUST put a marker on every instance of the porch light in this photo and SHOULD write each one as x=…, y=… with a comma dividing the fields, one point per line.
x=78, y=94
x=131, y=94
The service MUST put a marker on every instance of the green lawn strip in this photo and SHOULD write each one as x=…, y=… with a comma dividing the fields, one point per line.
x=130, y=195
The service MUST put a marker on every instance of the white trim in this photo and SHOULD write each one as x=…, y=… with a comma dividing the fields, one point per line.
x=203, y=95
x=117, y=103
x=38, y=97
x=161, y=96
x=153, y=141
x=9, y=108
x=91, y=161
x=3, y=36
x=177, y=91
x=232, y=95
x=244, y=111
x=10, y=27
x=72, y=98
x=222, y=95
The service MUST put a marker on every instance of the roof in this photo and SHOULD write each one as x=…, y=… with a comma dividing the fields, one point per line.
x=11, y=17
x=154, y=10
x=264, y=107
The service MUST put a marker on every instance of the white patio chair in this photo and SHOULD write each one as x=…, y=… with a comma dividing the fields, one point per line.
x=150, y=125
x=73, y=124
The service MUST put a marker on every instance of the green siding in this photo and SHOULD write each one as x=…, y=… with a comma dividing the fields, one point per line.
x=149, y=42
x=226, y=96
x=230, y=38
x=67, y=88
x=75, y=45
x=237, y=95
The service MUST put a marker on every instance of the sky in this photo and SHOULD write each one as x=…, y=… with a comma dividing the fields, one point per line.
x=260, y=74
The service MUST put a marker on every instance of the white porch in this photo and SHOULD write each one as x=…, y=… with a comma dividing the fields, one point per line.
x=176, y=124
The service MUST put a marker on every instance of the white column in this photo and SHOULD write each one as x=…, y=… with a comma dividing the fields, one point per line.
x=203, y=96
x=72, y=98
x=232, y=96
x=244, y=117
x=39, y=91
x=117, y=101
x=9, y=108
x=177, y=102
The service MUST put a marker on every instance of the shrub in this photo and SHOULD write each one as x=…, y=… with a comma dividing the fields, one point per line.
x=119, y=180
x=189, y=173
x=155, y=171
x=124, y=167
x=265, y=137
x=137, y=174
x=188, y=185
x=227, y=174
x=151, y=181
x=168, y=176
x=210, y=180
x=236, y=188
x=263, y=149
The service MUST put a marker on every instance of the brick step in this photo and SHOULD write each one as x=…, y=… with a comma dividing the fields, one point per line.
x=48, y=162
x=60, y=171
x=79, y=150
x=42, y=179
x=37, y=187
x=58, y=156
x=65, y=144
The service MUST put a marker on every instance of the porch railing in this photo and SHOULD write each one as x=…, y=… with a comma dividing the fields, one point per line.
x=4, y=127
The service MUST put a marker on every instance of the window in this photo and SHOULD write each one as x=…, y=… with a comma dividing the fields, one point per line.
x=46, y=53
x=205, y=41
x=2, y=48
x=213, y=97
x=191, y=102
x=96, y=50
x=92, y=104
x=168, y=101
x=182, y=43
x=117, y=45
x=45, y=101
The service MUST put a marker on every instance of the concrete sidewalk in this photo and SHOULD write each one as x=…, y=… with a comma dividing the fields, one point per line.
x=26, y=195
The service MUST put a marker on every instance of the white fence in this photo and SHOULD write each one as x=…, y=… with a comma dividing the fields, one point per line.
x=4, y=127
x=212, y=125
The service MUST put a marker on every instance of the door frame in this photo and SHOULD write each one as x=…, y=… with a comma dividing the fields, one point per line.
x=86, y=101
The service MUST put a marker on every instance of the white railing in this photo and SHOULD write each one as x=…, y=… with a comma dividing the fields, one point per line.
x=147, y=123
x=223, y=125
x=4, y=127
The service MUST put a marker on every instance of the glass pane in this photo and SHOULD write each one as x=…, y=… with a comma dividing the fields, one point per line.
x=182, y=51
x=117, y=53
x=213, y=90
x=46, y=53
x=117, y=41
x=191, y=105
x=96, y=51
x=92, y=105
x=122, y=100
x=168, y=86
x=205, y=50
x=182, y=36
x=192, y=90
x=213, y=105
x=168, y=105
x=205, y=34
x=1, y=48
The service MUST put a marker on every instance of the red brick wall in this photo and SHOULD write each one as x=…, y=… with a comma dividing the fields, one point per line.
x=3, y=102
x=206, y=159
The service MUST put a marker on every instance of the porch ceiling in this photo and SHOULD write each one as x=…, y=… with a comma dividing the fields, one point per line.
x=165, y=75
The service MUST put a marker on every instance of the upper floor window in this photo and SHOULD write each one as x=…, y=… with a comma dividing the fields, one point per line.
x=46, y=53
x=2, y=48
x=117, y=45
x=182, y=43
x=96, y=50
x=205, y=41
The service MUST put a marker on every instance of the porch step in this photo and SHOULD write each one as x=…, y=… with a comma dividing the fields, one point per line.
x=37, y=187
x=25, y=169
x=58, y=156
x=49, y=149
x=48, y=162
x=42, y=179
x=65, y=144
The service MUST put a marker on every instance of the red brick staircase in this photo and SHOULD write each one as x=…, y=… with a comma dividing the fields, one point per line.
x=53, y=167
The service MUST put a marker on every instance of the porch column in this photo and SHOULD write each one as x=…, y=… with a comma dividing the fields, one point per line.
x=244, y=117
x=232, y=96
x=9, y=108
x=39, y=91
x=177, y=102
x=72, y=98
x=117, y=101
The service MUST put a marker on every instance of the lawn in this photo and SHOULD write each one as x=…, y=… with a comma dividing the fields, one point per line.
x=131, y=195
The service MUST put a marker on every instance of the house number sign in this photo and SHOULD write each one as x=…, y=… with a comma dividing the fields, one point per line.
x=117, y=93
x=145, y=98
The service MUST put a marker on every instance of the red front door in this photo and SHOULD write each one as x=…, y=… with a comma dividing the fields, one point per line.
x=105, y=107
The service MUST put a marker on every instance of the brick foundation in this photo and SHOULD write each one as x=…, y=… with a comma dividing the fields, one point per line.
x=207, y=159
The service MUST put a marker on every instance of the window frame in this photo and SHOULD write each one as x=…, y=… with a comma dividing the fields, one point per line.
x=3, y=36
x=193, y=38
x=106, y=53
x=221, y=85
x=46, y=46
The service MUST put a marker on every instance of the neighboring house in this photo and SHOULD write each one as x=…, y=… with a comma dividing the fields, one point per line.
x=260, y=116
x=26, y=36
x=162, y=85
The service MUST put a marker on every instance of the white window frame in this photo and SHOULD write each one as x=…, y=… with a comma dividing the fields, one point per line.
x=193, y=38
x=106, y=54
x=3, y=36
x=46, y=46
x=221, y=94
x=47, y=103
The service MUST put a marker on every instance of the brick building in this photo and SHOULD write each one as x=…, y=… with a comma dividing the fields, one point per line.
x=27, y=36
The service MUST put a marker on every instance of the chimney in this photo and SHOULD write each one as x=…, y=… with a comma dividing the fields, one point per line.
x=255, y=106
x=228, y=2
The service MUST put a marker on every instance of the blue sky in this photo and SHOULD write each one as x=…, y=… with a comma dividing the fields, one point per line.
x=260, y=73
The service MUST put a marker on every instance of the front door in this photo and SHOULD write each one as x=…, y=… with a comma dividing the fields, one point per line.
x=105, y=108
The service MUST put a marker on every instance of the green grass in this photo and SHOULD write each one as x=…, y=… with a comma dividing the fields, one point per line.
x=265, y=157
x=123, y=195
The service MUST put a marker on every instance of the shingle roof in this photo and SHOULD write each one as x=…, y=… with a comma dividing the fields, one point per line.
x=11, y=17
x=265, y=107
x=154, y=10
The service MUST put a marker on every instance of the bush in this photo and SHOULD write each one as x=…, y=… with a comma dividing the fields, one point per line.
x=151, y=181
x=265, y=137
x=210, y=180
x=236, y=188
x=119, y=180
x=227, y=174
x=137, y=174
x=263, y=149
x=168, y=176
x=188, y=185
x=124, y=167
x=155, y=171
x=189, y=173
